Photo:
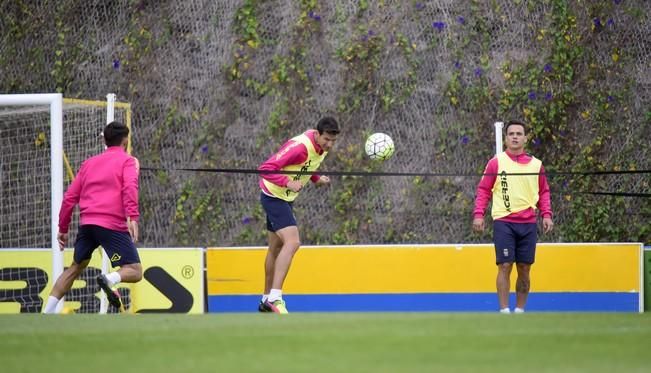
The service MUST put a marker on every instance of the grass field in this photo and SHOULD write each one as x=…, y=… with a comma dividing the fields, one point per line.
x=359, y=342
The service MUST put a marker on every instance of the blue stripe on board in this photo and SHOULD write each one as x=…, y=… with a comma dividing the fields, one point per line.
x=425, y=302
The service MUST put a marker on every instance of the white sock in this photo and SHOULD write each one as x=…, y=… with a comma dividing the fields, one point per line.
x=274, y=295
x=264, y=297
x=505, y=310
x=51, y=305
x=113, y=278
x=518, y=310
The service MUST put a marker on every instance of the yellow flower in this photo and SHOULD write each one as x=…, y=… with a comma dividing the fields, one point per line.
x=40, y=139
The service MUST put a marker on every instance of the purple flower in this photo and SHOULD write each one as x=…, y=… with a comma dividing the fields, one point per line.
x=439, y=25
x=610, y=98
x=420, y=6
x=532, y=95
x=610, y=22
x=457, y=64
x=371, y=33
x=204, y=148
x=617, y=1
x=597, y=22
x=116, y=64
x=547, y=68
x=314, y=16
x=465, y=139
x=478, y=72
x=461, y=20
x=536, y=142
x=565, y=184
x=246, y=220
x=563, y=133
x=548, y=96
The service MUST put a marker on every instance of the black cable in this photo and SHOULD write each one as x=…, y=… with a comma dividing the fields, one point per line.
x=422, y=174
x=375, y=174
x=618, y=194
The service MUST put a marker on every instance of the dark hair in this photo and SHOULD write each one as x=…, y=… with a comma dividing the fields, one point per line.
x=114, y=132
x=515, y=123
x=328, y=125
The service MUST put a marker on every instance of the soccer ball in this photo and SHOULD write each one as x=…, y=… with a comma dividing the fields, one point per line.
x=379, y=146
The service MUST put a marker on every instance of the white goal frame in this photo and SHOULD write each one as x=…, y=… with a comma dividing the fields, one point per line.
x=499, y=144
x=55, y=102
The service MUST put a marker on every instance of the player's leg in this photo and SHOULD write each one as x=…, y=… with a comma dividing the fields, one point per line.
x=291, y=242
x=85, y=244
x=65, y=280
x=504, y=241
x=122, y=253
x=275, y=244
x=63, y=285
x=522, y=285
x=525, y=255
x=503, y=284
x=281, y=223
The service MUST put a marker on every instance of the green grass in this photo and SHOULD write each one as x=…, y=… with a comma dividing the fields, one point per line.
x=327, y=342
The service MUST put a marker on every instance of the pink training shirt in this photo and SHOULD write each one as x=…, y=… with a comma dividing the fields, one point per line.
x=291, y=153
x=485, y=192
x=106, y=189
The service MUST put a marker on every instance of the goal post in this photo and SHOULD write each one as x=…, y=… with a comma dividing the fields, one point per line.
x=499, y=144
x=55, y=102
x=32, y=179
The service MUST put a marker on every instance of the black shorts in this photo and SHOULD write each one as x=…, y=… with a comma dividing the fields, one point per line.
x=514, y=242
x=118, y=245
x=280, y=213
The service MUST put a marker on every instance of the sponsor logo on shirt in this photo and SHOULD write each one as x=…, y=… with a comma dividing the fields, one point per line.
x=505, y=191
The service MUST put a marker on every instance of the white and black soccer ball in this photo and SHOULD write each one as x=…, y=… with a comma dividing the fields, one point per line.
x=379, y=146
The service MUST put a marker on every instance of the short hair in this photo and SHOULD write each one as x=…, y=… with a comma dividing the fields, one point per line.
x=515, y=123
x=328, y=125
x=114, y=132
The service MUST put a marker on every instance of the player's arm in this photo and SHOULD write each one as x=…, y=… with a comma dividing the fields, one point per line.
x=544, y=201
x=291, y=153
x=70, y=200
x=484, y=193
x=130, y=187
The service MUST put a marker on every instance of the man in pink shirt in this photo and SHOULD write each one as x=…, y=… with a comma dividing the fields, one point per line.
x=516, y=201
x=301, y=155
x=106, y=189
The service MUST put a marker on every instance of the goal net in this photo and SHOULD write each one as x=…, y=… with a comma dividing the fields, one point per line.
x=44, y=139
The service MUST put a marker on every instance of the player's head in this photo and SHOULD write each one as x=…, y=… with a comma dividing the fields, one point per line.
x=327, y=129
x=516, y=135
x=116, y=134
x=515, y=123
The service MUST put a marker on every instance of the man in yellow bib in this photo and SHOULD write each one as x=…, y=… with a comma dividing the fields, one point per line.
x=303, y=154
x=516, y=201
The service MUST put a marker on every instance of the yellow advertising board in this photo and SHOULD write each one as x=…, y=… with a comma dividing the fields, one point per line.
x=565, y=277
x=172, y=282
